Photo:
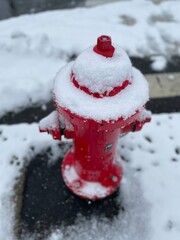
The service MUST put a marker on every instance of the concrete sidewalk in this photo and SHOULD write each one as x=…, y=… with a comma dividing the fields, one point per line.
x=164, y=84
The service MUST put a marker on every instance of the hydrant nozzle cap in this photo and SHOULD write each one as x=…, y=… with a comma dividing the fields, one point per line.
x=104, y=46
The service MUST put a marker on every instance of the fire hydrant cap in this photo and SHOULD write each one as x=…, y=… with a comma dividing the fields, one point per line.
x=104, y=46
x=99, y=74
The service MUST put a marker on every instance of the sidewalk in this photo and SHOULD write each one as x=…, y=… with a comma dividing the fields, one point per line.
x=44, y=203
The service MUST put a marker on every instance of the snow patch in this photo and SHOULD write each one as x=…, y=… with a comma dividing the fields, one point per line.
x=159, y=63
x=19, y=144
x=124, y=104
x=50, y=122
x=132, y=222
x=89, y=189
x=100, y=74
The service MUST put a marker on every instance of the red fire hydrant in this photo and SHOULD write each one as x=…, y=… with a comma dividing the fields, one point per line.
x=99, y=97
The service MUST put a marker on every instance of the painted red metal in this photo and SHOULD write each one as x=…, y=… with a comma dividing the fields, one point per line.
x=55, y=133
x=93, y=155
x=104, y=46
x=91, y=169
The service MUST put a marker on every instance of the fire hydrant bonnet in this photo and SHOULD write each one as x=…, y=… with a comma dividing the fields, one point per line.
x=100, y=74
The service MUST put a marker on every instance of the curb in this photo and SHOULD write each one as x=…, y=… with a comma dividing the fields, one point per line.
x=164, y=85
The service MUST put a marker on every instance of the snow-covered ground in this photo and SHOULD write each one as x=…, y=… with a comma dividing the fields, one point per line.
x=34, y=47
x=150, y=190
x=16, y=144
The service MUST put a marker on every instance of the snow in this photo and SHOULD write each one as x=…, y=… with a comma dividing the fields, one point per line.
x=18, y=144
x=71, y=174
x=159, y=172
x=144, y=114
x=159, y=63
x=124, y=104
x=133, y=223
x=93, y=189
x=50, y=122
x=34, y=47
x=89, y=189
x=32, y=50
x=171, y=77
x=26, y=72
x=111, y=72
x=149, y=190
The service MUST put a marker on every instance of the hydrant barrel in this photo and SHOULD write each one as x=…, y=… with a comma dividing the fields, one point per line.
x=93, y=161
x=92, y=168
x=96, y=152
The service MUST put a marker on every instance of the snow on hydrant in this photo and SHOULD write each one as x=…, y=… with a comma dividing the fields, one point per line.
x=98, y=97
